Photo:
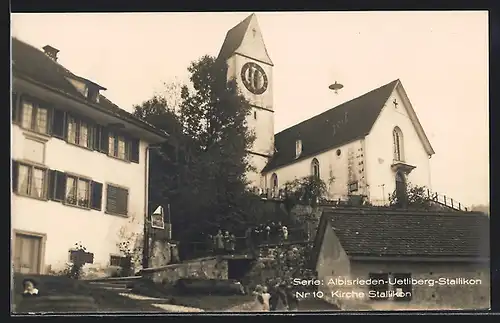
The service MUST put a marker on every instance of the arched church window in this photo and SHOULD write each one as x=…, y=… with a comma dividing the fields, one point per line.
x=274, y=185
x=274, y=181
x=298, y=148
x=397, y=136
x=315, y=168
x=255, y=115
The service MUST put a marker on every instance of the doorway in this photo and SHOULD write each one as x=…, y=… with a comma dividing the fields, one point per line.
x=401, y=195
x=28, y=253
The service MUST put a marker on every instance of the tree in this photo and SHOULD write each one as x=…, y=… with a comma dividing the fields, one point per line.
x=415, y=197
x=201, y=170
x=308, y=190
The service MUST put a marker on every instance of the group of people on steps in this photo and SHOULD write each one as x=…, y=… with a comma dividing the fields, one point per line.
x=275, y=295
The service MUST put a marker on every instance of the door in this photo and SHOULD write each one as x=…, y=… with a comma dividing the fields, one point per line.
x=27, y=254
x=401, y=194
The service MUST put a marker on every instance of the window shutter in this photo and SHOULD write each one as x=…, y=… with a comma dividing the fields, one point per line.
x=14, y=175
x=97, y=137
x=15, y=107
x=60, y=186
x=51, y=184
x=104, y=147
x=134, y=151
x=96, y=196
x=58, y=123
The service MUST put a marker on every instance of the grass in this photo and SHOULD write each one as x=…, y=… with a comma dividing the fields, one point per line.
x=57, y=294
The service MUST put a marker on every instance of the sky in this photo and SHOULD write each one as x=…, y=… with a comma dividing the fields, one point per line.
x=440, y=57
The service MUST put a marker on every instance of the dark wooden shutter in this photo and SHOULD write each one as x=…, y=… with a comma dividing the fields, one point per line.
x=111, y=203
x=96, y=196
x=97, y=137
x=58, y=123
x=51, y=184
x=104, y=147
x=134, y=150
x=380, y=287
x=116, y=200
x=60, y=186
x=15, y=172
x=15, y=107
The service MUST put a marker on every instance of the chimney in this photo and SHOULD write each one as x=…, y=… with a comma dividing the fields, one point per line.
x=51, y=52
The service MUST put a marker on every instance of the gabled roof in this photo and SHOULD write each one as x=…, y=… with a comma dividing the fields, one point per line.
x=32, y=64
x=233, y=39
x=381, y=232
x=354, y=118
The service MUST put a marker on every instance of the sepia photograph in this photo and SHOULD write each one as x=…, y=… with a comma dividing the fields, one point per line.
x=245, y=162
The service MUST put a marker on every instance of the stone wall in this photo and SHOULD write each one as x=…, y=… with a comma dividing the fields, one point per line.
x=210, y=267
x=161, y=253
x=430, y=295
x=434, y=296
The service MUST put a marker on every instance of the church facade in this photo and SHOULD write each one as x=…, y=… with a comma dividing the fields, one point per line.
x=369, y=146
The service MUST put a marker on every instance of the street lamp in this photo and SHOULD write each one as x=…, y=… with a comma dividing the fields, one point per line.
x=335, y=87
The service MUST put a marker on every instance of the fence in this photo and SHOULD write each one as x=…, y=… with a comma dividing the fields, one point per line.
x=243, y=245
x=446, y=201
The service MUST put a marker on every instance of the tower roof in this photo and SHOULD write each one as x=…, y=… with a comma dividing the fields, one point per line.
x=234, y=38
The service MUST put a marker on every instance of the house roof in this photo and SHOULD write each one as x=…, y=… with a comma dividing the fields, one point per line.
x=349, y=121
x=233, y=39
x=30, y=62
x=385, y=232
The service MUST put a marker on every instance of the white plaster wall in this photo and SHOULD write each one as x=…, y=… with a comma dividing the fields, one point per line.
x=380, y=153
x=254, y=177
x=65, y=225
x=335, y=171
x=263, y=125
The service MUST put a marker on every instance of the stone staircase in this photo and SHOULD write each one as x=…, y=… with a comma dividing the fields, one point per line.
x=123, y=287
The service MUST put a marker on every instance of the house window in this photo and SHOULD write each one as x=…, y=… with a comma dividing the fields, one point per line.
x=77, y=191
x=379, y=288
x=30, y=180
x=353, y=187
x=116, y=200
x=315, y=168
x=79, y=132
x=118, y=261
x=119, y=146
x=34, y=117
x=255, y=115
x=398, y=144
x=402, y=286
x=81, y=256
x=298, y=148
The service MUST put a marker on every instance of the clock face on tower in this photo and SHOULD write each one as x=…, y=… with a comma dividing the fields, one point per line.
x=254, y=78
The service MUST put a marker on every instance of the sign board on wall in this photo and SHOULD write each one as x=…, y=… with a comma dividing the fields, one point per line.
x=157, y=218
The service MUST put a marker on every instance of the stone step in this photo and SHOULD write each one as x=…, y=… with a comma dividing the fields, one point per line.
x=116, y=279
x=108, y=284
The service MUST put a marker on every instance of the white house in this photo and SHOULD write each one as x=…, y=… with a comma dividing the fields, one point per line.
x=79, y=166
x=362, y=147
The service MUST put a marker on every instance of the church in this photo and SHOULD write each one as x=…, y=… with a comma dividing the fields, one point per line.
x=369, y=146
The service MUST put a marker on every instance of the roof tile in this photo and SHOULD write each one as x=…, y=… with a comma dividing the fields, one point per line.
x=379, y=232
x=333, y=128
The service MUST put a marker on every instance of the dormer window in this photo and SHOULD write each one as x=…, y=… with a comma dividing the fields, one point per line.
x=298, y=148
x=51, y=52
x=93, y=94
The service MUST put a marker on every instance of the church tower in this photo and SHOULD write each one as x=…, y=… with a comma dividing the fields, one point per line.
x=250, y=65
